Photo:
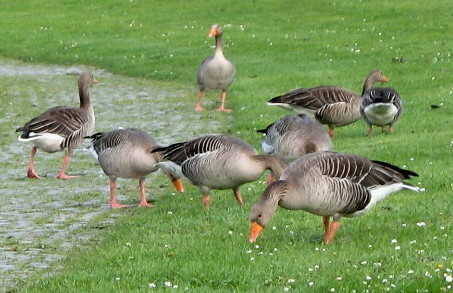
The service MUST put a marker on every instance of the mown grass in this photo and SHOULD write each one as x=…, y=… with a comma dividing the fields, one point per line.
x=276, y=46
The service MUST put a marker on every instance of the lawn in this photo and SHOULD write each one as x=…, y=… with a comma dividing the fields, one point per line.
x=402, y=245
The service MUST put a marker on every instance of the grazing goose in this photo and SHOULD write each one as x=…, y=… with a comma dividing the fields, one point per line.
x=126, y=153
x=60, y=128
x=294, y=136
x=218, y=162
x=215, y=72
x=381, y=107
x=329, y=184
x=331, y=105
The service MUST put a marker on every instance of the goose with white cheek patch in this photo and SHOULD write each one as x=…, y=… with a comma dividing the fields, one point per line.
x=127, y=153
x=60, y=128
x=331, y=185
x=381, y=107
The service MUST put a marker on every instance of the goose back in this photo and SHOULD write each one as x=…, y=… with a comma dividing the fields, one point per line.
x=294, y=136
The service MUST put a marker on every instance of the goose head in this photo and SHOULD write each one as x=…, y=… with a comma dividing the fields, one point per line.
x=373, y=77
x=264, y=209
x=86, y=79
x=215, y=31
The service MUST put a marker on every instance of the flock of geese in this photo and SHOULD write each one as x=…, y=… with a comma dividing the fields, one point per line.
x=304, y=173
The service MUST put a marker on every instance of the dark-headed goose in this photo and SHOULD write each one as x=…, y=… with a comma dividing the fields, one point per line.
x=127, y=153
x=329, y=185
x=331, y=105
x=380, y=107
x=215, y=72
x=60, y=128
x=218, y=162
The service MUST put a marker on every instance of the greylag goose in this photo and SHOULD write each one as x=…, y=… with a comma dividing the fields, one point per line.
x=215, y=72
x=218, y=162
x=380, y=107
x=126, y=153
x=331, y=105
x=291, y=137
x=60, y=128
x=329, y=184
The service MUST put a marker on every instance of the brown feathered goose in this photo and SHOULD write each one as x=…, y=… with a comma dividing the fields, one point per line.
x=218, y=162
x=329, y=184
x=331, y=105
x=293, y=136
x=215, y=72
x=381, y=107
x=60, y=128
x=127, y=153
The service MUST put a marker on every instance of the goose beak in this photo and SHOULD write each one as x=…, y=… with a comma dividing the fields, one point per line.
x=212, y=33
x=177, y=183
x=255, y=230
x=384, y=79
x=95, y=81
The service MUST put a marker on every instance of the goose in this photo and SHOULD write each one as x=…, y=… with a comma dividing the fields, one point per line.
x=215, y=72
x=60, y=128
x=331, y=105
x=291, y=137
x=329, y=184
x=126, y=153
x=380, y=107
x=218, y=162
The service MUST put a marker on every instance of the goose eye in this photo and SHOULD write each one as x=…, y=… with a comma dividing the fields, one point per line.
x=259, y=216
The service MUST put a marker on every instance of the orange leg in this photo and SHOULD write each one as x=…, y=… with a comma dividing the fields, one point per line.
x=369, y=130
x=198, y=106
x=143, y=202
x=237, y=195
x=328, y=237
x=66, y=159
x=269, y=179
x=205, y=200
x=222, y=103
x=31, y=164
x=113, y=203
x=331, y=131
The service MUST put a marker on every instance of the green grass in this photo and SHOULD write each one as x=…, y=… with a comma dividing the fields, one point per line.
x=276, y=46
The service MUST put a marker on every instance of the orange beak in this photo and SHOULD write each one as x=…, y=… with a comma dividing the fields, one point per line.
x=255, y=230
x=384, y=79
x=177, y=183
x=212, y=33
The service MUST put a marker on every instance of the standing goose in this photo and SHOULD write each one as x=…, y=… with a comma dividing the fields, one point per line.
x=127, y=153
x=218, y=162
x=381, y=107
x=331, y=105
x=60, y=128
x=215, y=72
x=294, y=136
x=329, y=184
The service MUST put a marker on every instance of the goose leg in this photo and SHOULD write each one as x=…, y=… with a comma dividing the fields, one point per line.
x=31, y=164
x=269, y=179
x=205, y=199
x=326, y=222
x=331, y=131
x=112, y=201
x=222, y=103
x=143, y=202
x=237, y=195
x=66, y=159
x=328, y=237
x=369, y=130
x=198, y=106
